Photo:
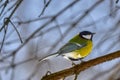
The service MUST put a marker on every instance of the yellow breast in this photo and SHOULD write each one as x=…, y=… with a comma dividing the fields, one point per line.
x=83, y=52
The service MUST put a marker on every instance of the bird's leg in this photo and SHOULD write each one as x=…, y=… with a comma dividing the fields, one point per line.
x=76, y=76
x=47, y=73
x=81, y=59
x=73, y=64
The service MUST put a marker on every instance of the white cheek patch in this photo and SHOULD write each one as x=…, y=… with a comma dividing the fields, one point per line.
x=87, y=36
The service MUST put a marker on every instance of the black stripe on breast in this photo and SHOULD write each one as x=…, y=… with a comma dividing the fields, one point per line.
x=72, y=59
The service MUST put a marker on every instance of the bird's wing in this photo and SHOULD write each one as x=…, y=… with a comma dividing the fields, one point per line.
x=69, y=47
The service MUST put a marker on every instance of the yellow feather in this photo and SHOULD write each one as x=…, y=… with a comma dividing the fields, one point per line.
x=83, y=52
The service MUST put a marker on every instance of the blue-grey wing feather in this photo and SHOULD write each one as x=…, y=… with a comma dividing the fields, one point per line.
x=69, y=47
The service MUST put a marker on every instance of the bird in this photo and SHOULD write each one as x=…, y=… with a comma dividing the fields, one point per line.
x=76, y=48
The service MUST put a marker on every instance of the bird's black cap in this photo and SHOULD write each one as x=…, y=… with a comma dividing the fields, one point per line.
x=86, y=33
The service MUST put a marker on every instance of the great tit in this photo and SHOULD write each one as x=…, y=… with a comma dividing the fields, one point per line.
x=77, y=48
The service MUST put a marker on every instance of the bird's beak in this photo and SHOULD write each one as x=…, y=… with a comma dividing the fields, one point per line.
x=93, y=33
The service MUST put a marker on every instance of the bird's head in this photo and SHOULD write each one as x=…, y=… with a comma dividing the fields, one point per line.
x=86, y=35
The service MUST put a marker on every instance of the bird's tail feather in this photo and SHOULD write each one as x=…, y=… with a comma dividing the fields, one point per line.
x=48, y=57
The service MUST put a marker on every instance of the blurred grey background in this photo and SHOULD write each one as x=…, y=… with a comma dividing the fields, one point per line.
x=43, y=26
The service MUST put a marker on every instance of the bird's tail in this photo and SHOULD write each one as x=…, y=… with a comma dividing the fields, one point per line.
x=48, y=57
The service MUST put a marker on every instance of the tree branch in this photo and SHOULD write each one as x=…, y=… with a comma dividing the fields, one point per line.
x=7, y=21
x=81, y=67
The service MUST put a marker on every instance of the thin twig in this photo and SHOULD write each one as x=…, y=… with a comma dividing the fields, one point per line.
x=59, y=27
x=10, y=8
x=87, y=12
x=13, y=67
x=7, y=21
x=45, y=7
x=16, y=31
x=17, y=64
x=76, y=76
x=33, y=20
x=6, y=2
x=5, y=32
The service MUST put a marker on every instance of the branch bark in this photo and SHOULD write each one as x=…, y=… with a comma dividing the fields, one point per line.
x=81, y=67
